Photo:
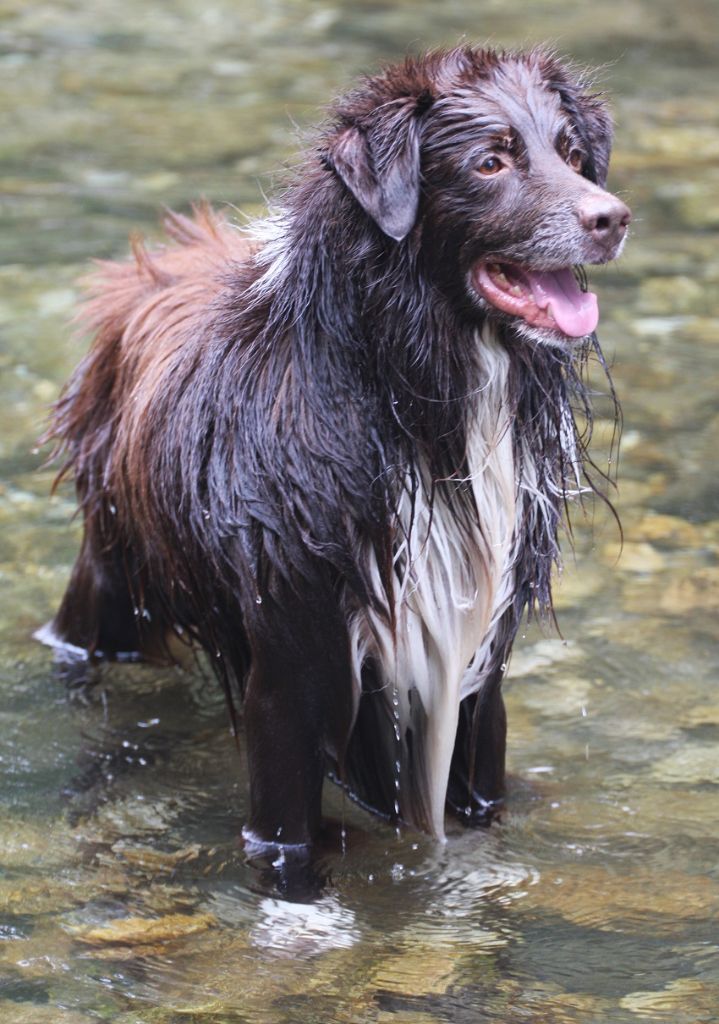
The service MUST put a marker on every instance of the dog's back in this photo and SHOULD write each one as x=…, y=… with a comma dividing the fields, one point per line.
x=145, y=313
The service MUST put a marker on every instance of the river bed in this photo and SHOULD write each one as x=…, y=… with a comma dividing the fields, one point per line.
x=125, y=895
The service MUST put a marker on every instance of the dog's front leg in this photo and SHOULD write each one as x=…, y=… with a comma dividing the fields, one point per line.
x=298, y=708
x=285, y=756
x=476, y=780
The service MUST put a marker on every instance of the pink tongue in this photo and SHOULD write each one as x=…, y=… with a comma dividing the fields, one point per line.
x=575, y=311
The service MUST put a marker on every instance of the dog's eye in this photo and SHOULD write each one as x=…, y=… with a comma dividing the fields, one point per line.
x=576, y=160
x=490, y=165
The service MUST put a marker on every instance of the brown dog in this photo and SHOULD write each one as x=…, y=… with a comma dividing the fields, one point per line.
x=335, y=451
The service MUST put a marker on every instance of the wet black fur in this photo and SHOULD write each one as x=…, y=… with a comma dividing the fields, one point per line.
x=279, y=438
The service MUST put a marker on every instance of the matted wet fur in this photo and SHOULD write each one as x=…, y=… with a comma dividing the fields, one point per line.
x=335, y=450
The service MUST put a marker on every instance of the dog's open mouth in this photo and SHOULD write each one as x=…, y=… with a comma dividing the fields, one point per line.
x=549, y=299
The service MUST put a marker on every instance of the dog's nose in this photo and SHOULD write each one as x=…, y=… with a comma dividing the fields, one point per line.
x=605, y=218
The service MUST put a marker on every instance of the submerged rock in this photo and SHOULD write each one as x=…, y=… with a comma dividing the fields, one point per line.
x=634, y=556
x=697, y=592
x=129, y=931
x=638, y=900
x=694, y=764
x=421, y=971
x=699, y=998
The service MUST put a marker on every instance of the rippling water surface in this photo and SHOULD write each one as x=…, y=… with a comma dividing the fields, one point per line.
x=124, y=892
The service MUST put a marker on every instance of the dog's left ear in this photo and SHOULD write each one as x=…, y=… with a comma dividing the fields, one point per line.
x=378, y=160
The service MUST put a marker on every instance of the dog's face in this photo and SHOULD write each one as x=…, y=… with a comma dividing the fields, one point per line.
x=497, y=165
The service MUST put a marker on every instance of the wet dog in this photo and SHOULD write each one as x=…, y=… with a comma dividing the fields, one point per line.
x=335, y=450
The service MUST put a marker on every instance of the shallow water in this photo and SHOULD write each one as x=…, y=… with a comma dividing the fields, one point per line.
x=124, y=891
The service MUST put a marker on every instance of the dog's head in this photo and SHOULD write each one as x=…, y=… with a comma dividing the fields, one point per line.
x=494, y=166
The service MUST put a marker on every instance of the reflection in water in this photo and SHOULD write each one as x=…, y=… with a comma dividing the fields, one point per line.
x=303, y=929
x=125, y=892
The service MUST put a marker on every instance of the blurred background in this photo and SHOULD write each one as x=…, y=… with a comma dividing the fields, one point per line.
x=124, y=892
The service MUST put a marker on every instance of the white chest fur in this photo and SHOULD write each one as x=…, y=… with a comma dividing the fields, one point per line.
x=455, y=581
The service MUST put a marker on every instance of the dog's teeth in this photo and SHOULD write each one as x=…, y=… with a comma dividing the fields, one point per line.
x=516, y=290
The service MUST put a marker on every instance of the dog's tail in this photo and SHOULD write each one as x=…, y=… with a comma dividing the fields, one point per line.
x=133, y=309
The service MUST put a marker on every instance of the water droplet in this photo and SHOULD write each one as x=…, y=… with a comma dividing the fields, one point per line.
x=503, y=667
x=205, y=513
x=370, y=878
x=397, y=872
x=397, y=763
x=258, y=599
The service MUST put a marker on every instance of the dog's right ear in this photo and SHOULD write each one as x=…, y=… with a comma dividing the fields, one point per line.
x=378, y=160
